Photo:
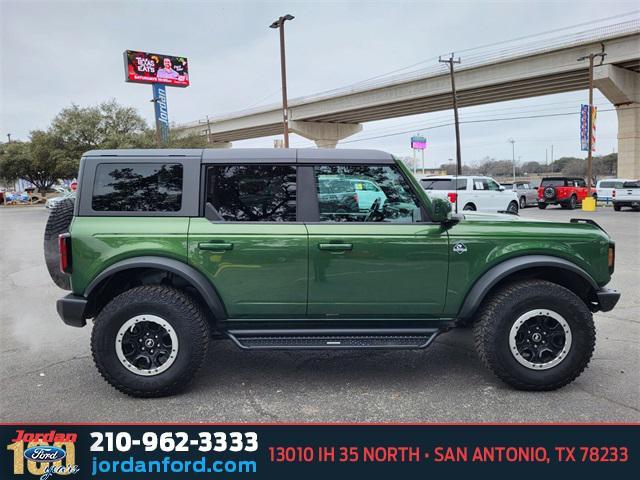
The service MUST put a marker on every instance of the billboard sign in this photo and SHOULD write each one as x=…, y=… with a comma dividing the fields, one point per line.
x=162, y=112
x=418, y=142
x=154, y=68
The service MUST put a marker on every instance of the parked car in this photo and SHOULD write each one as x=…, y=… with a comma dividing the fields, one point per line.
x=568, y=192
x=53, y=201
x=605, y=188
x=627, y=196
x=195, y=242
x=475, y=193
x=527, y=194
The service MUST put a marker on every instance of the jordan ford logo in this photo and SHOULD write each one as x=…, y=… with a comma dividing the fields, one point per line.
x=459, y=248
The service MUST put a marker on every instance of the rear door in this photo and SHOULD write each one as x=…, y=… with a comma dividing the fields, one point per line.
x=385, y=262
x=252, y=248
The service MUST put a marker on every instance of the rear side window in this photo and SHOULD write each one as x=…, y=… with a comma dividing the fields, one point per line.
x=253, y=193
x=137, y=187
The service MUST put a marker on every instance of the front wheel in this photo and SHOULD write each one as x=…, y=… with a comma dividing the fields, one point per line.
x=513, y=208
x=573, y=201
x=150, y=341
x=535, y=335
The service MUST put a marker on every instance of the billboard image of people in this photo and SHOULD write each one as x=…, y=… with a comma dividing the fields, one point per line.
x=144, y=67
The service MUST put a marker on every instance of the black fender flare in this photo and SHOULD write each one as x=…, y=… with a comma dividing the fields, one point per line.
x=490, y=278
x=187, y=272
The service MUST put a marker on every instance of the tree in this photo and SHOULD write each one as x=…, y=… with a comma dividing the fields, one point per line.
x=41, y=161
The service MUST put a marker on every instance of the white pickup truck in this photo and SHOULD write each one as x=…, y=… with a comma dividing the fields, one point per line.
x=627, y=196
x=479, y=193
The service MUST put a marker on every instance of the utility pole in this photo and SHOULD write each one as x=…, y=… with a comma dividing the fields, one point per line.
x=552, y=158
x=451, y=62
x=513, y=156
x=590, y=57
x=8, y=138
x=279, y=24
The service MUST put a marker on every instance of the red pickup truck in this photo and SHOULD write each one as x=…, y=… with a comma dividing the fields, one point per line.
x=567, y=192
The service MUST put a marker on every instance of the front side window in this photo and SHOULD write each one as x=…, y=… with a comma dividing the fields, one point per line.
x=492, y=185
x=253, y=193
x=365, y=193
x=137, y=187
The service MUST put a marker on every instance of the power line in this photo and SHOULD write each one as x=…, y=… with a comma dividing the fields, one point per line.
x=486, y=120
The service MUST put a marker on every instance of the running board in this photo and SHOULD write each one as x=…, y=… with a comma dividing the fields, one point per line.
x=300, y=339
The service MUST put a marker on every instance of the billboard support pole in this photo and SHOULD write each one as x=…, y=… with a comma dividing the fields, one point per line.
x=161, y=113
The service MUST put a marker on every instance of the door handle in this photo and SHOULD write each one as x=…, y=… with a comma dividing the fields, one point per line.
x=335, y=247
x=215, y=246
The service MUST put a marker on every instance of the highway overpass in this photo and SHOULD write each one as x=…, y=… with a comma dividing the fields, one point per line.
x=541, y=70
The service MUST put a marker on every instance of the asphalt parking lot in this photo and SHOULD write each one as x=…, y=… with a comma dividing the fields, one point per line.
x=47, y=373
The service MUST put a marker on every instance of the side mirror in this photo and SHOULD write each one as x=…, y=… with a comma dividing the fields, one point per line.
x=441, y=210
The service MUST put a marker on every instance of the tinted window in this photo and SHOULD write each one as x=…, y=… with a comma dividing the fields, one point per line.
x=442, y=183
x=492, y=185
x=578, y=182
x=610, y=184
x=137, y=187
x=365, y=194
x=631, y=185
x=253, y=193
x=553, y=182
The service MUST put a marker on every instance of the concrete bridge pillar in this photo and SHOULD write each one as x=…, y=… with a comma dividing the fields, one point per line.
x=326, y=135
x=622, y=88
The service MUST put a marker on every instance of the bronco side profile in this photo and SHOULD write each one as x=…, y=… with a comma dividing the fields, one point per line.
x=167, y=250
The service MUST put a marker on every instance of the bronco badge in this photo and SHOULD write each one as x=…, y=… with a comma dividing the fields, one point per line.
x=459, y=248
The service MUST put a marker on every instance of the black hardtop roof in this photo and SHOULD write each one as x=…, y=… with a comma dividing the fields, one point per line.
x=256, y=155
x=562, y=178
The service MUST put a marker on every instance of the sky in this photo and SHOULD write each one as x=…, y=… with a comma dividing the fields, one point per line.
x=55, y=53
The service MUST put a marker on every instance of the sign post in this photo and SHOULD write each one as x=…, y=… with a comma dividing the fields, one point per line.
x=159, y=71
x=418, y=142
x=162, y=113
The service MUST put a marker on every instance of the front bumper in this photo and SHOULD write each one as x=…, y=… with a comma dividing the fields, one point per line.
x=607, y=299
x=72, y=310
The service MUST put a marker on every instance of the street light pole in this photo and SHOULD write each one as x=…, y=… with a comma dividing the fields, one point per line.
x=590, y=57
x=279, y=24
x=513, y=156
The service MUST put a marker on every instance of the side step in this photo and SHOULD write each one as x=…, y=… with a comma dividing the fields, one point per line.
x=299, y=339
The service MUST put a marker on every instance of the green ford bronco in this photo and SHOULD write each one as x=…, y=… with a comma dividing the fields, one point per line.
x=168, y=249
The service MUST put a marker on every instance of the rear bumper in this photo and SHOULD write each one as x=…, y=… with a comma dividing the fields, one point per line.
x=72, y=309
x=607, y=299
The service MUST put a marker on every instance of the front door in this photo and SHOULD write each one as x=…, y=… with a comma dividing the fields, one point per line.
x=254, y=253
x=382, y=261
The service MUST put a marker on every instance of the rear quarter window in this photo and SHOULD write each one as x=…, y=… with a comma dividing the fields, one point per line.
x=137, y=187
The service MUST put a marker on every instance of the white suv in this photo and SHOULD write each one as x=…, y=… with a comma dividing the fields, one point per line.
x=479, y=193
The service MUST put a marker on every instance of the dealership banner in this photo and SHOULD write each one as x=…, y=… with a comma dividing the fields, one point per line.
x=283, y=451
x=588, y=121
x=143, y=67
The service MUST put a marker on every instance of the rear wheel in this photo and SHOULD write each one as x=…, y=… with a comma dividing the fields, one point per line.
x=523, y=202
x=535, y=335
x=470, y=207
x=542, y=206
x=58, y=222
x=150, y=341
x=616, y=207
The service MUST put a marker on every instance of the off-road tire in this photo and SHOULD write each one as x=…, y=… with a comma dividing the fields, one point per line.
x=572, y=203
x=184, y=315
x=500, y=311
x=59, y=220
x=542, y=206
